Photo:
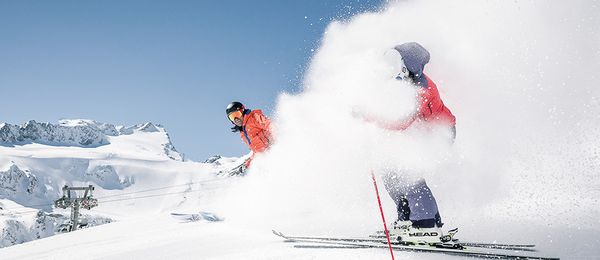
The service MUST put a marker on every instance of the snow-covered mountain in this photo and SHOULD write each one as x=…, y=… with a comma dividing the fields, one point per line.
x=83, y=133
x=78, y=132
x=38, y=159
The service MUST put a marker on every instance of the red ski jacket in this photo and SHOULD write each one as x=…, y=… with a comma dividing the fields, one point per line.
x=431, y=109
x=256, y=132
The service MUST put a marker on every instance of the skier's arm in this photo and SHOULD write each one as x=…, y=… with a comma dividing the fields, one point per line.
x=262, y=121
x=396, y=126
x=264, y=124
x=400, y=126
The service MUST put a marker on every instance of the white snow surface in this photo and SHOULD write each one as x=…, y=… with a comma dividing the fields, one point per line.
x=523, y=169
x=33, y=174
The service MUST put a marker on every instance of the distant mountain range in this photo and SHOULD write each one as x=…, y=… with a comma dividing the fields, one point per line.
x=76, y=132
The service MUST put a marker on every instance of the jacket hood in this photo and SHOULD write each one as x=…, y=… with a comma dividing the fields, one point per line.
x=415, y=57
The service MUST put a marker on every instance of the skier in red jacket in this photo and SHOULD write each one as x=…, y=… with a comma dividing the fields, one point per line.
x=416, y=205
x=254, y=128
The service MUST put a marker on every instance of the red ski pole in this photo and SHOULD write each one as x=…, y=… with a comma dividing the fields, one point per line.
x=387, y=233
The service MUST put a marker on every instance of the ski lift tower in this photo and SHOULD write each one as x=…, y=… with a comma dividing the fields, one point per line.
x=74, y=202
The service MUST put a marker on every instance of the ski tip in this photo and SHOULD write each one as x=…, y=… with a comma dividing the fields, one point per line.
x=279, y=234
x=210, y=216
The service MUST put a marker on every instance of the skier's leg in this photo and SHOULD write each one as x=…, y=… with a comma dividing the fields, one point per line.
x=393, y=185
x=423, y=207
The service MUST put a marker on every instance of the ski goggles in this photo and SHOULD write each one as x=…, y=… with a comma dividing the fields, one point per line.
x=235, y=114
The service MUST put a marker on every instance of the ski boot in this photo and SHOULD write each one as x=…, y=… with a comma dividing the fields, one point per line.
x=407, y=233
x=404, y=232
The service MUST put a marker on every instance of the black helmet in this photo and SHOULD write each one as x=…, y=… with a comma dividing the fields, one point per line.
x=234, y=106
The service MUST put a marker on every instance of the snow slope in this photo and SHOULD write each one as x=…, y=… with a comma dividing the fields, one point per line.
x=32, y=173
x=524, y=168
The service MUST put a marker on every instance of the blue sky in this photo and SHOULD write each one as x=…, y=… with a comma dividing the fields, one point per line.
x=177, y=63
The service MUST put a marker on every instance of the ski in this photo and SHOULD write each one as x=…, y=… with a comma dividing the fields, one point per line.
x=521, y=247
x=433, y=250
x=350, y=243
x=329, y=246
x=193, y=217
x=377, y=239
x=529, y=248
x=382, y=235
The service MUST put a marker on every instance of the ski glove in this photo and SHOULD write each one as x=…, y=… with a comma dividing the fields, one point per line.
x=236, y=129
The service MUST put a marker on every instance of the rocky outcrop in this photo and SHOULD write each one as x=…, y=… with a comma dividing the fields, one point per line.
x=16, y=231
x=23, y=187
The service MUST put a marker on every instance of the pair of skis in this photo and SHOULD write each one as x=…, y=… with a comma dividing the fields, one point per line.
x=467, y=249
x=193, y=217
x=515, y=247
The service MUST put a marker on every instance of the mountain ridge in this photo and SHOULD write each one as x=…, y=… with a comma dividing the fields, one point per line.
x=78, y=133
